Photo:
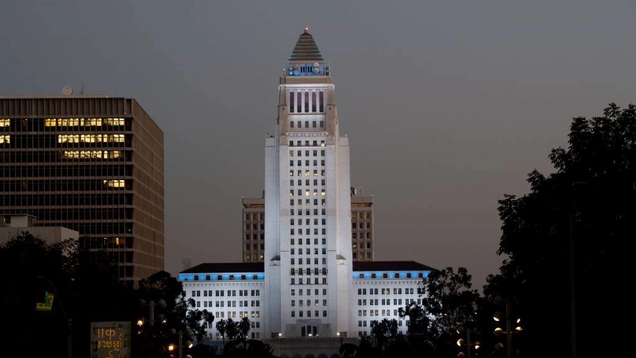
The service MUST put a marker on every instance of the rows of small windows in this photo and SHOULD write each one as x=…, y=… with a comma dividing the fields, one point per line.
x=91, y=122
x=299, y=153
x=93, y=214
x=292, y=241
x=308, y=313
x=308, y=221
x=360, y=225
x=69, y=184
x=380, y=313
x=109, y=243
x=65, y=200
x=307, y=162
x=244, y=303
x=306, y=101
x=314, y=124
x=308, y=281
x=360, y=246
x=308, y=303
x=306, y=143
x=91, y=138
x=221, y=277
x=390, y=275
x=92, y=154
x=308, y=271
x=308, y=212
x=307, y=251
x=255, y=246
x=308, y=192
x=224, y=293
x=386, y=301
x=103, y=170
x=258, y=256
x=307, y=202
x=254, y=216
x=307, y=172
x=63, y=124
x=361, y=235
x=254, y=226
x=64, y=156
x=234, y=314
x=308, y=261
x=307, y=230
x=358, y=215
x=362, y=255
x=387, y=291
x=299, y=182
x=43, y=141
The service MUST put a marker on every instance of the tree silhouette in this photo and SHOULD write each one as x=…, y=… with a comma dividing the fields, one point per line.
x=584, y=210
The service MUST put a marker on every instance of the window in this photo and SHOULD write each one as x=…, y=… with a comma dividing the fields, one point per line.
x=291, y=103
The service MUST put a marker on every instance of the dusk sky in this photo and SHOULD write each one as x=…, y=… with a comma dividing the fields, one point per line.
x=448, y=104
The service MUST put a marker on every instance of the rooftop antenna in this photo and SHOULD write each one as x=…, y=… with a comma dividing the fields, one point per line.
x=82, y=89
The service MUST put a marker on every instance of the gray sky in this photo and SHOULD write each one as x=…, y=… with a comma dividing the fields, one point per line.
x=448, y=104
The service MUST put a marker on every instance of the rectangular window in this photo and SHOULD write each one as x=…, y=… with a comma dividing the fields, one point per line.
x=291, y=103
x=313, y=103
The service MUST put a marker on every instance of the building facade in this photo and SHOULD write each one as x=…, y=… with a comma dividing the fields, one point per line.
x=361, y=227
x=93, y=164
x=308, y=280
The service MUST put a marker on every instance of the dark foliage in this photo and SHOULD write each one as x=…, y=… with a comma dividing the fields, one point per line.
x=589, y=199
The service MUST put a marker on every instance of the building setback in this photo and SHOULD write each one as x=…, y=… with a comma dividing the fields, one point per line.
x=309, y=291
x=93, y=164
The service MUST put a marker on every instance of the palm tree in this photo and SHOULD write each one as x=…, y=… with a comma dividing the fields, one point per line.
x=244, y=327
x=220, y=326
x=231, y=328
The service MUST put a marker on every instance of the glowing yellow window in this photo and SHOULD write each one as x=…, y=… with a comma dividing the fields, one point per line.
x=5, y=122
x=115, y=183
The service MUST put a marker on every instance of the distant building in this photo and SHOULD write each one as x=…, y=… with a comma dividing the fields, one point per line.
x=307, y=292
x=93, y=164
x=12, y=226
x=361, y=228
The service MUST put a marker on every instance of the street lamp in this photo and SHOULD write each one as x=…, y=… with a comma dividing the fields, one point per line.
x=69, y=348
x=466, y=343
x=509, y=330
x=280, y=335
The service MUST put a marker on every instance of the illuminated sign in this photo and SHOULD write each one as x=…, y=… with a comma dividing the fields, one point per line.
x=47, y=305
x=110, y=340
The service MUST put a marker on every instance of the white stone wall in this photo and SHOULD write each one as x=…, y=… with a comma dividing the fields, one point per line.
x=377, y=299
x=231, y=303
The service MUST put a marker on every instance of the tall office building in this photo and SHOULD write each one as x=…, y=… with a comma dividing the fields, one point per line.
x=308, y=292
x=93, y=164
x=307, y=201
x=362, y=235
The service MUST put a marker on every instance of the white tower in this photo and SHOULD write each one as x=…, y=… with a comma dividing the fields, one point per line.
x=308, y=254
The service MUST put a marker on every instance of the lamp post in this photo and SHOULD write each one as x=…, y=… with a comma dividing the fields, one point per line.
x=69, y=342
x=280, y=335
x=508, y=332
x=571, y=269
x=180, y=347
x=467, y=343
